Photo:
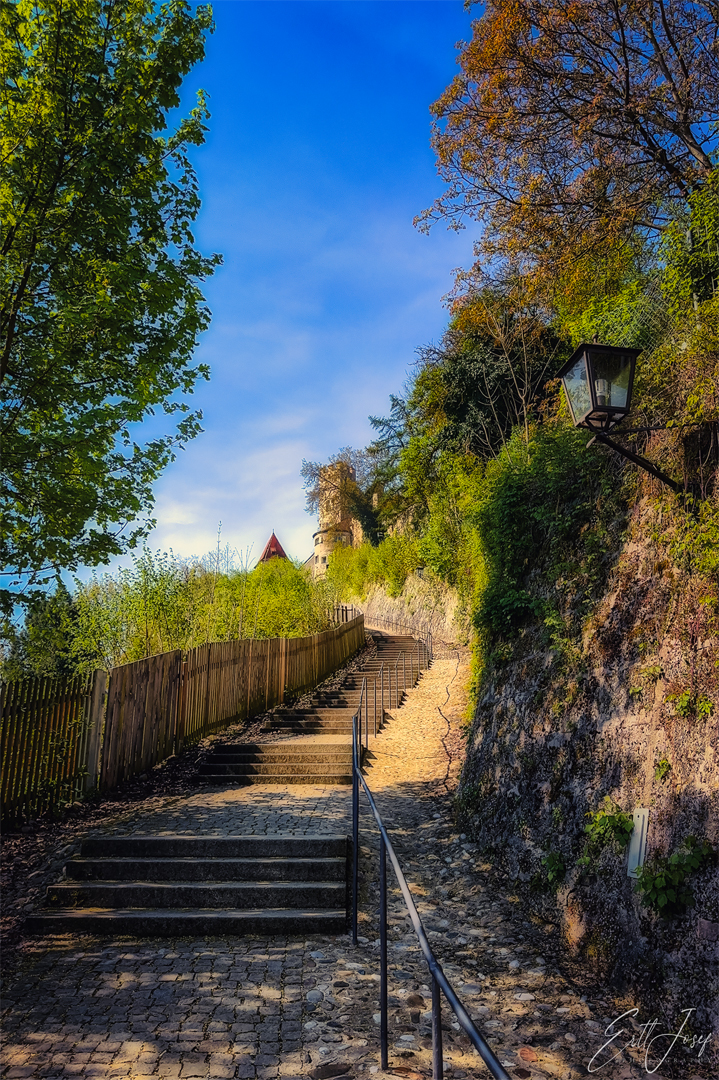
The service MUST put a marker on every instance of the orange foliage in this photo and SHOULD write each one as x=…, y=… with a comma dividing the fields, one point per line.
x=574, y=124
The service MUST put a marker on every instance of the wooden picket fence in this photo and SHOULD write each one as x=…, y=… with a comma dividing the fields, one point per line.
x=141, y=715
x=163, y=704
x=52, y=730
x=50, y=733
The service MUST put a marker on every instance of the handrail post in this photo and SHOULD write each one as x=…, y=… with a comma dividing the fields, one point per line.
x=366, y=712
x=384, y=1039
x=404, y=672
x=355, y=830
x=396, y=683
x=375, y=707
x=437, y=1056
x=381, y=674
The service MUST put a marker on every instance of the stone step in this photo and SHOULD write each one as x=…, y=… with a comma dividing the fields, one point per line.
x=327, y=778
x=312, y=729
x=342, y=754
x=260, y=768
x=206, y=922
x=311, y=726
x=177, y=846
x=235, y=895
x=315, y=713
x=198, y=869
x=283, y=746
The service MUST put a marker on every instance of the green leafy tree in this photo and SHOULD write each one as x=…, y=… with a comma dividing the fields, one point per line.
x=100, y=300
x=44, y=645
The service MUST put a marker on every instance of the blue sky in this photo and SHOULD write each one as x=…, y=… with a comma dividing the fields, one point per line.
x=316, y=162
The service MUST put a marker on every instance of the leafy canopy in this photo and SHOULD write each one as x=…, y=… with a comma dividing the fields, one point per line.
x=100, y=301
x=573, y=125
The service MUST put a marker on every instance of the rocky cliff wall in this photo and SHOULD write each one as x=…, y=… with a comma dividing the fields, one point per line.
x=624, y=719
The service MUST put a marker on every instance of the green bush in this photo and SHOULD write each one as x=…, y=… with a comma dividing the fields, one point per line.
x=160, y=603
x=662, y=881
x=542, y=503
x=351, y=571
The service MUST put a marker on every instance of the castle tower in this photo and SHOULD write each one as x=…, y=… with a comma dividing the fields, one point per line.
x=336, y=524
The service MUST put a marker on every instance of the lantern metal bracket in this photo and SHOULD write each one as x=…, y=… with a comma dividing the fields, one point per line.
x=642, y=462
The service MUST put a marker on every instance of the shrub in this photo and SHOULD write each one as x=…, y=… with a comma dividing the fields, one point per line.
x=662, y=881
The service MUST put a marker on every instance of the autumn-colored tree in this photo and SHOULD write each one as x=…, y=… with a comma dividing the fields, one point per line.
x=574, y=125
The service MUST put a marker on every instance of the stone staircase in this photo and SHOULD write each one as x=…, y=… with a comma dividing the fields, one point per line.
x=283, y=762
x=329, y=713
x=176, y=886
x=184, y=885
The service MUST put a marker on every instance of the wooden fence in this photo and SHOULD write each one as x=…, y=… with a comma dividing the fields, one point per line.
x=50, y=731
x=141, y=715
x=161, y=705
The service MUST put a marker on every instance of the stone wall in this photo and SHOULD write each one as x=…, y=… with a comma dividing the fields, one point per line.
x=424, y=603
x=628, y=715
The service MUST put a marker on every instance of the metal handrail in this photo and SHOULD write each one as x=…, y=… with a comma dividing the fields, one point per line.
x=439, y=979
x=426, y=635
x=400, y=665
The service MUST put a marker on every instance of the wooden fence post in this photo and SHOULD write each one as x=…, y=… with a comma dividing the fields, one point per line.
x=96, y=723
x=180, y=715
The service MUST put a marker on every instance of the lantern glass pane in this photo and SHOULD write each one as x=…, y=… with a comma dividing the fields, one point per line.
x=576, y=385
x=612, y=374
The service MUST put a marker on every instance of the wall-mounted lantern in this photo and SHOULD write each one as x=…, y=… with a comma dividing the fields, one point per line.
x=598, y=382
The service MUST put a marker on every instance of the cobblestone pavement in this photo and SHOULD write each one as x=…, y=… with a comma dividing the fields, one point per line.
x=244, y=811
x=281, y=1008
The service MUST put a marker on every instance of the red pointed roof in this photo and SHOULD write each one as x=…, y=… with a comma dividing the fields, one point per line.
x=273, y=550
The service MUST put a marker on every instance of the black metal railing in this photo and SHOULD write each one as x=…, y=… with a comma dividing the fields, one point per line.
x=342, y=613
x=389, y=678
x=393, y=625
x=440, y=983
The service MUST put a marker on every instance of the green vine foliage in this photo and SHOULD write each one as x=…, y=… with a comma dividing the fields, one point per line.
x=554, y=868
x=662, y=880
x=690, y=247
x=546, y=501
x=607, y=827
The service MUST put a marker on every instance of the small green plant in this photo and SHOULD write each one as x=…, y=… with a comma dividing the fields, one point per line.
x=635, y=691
x=654, y=671
x=704, y=707
x=554, y=867
x=557, y=817
x=607, y=827
x=688, y=704
x=662, y=770
x=610, y=825
x=683, y=703
x=661, y=882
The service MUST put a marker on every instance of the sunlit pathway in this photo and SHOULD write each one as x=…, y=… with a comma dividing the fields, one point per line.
x=277, y=1007
x=186, y=1008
